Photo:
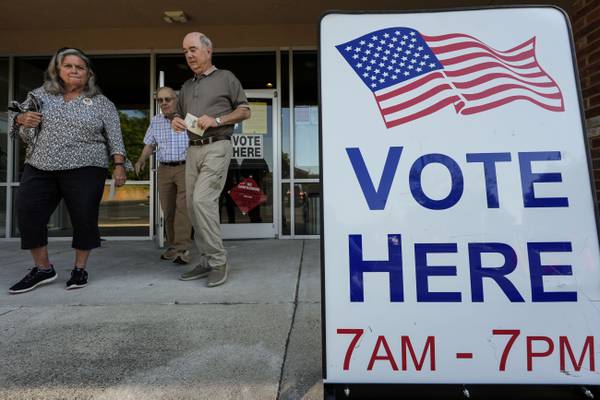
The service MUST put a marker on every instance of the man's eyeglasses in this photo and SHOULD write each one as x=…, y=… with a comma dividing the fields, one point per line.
x=164, y=99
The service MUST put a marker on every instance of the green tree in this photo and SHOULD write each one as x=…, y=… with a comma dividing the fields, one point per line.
x=134, y=125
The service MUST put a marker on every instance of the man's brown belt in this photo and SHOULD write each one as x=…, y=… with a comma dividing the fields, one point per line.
x=208, y=140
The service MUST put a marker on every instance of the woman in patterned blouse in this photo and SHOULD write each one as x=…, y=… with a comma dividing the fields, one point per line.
x=71, y=131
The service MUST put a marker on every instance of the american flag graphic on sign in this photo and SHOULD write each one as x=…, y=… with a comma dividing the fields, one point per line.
x=412, y=75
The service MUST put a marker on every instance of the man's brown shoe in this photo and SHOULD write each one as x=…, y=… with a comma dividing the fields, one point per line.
x=218, y=276
x=200, y=271
x=169, y=254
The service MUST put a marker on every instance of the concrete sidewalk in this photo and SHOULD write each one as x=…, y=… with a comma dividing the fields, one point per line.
x=136, y=332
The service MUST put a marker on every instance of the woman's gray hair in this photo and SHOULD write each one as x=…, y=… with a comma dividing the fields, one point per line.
x=55, y=85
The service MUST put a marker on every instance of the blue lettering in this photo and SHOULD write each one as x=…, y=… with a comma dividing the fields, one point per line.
x=498, y=274
x=423, y=272
x=528, y=178
x=489, y=169
x=537, y=271
x=358, y=267
x=456, y=178
x=376, y=199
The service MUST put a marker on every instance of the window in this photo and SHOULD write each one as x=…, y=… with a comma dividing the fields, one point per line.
x=254, y=70
x=3, y=141
x=125, y=81
x=306, y=116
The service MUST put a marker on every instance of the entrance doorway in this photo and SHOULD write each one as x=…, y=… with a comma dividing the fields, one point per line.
x=256, y=146
x=248, y=205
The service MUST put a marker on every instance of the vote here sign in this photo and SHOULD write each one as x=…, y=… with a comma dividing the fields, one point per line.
x=459, y=237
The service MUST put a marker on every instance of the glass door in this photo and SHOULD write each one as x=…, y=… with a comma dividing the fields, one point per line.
x=249, y=202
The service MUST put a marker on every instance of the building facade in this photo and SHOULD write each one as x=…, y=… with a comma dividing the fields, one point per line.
x=271, y=46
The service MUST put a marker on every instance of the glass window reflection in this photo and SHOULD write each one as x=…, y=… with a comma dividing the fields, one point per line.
x=3, y=118
x=127, y=212
x=307, y=209
x=28, y=75
x=255, y=70
x=306, y=116
x=125, y=81
x=285, y=115
x=2, y=211
x=286, y=204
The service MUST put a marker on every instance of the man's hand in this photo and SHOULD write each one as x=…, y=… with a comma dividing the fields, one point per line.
x=139, y=165
x=29, y=119
x=205, y=122
x=178, y=125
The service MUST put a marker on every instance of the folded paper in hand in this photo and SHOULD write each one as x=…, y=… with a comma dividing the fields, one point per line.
x=191, y=121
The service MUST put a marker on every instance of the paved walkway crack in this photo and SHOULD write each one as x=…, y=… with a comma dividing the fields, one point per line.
x=287, y=340
x=177, y=303
x=8, y=312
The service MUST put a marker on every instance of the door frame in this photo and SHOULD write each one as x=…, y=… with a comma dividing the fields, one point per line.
x=158, y=223
x=267, y=229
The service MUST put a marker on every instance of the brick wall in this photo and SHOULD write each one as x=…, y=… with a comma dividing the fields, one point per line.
x=585, y=17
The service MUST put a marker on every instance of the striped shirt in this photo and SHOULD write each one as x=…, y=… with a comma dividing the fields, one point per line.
x=172, y=146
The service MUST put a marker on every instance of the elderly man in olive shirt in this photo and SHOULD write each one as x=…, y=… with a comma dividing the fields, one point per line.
x=216, y=97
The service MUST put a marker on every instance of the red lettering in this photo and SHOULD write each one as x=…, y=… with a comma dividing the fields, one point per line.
x=408, y=348
x=357, y=334
x=563, y=342
x=531, y=354
x=388, y=354
x=513, y=333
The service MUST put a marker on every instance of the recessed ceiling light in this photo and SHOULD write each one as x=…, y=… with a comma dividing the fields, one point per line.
x=175, y=16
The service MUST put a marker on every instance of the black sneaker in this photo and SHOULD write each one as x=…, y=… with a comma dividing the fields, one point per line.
x=78, y=279
x=33, y=279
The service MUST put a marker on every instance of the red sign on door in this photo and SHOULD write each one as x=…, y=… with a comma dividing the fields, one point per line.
x=247, y=195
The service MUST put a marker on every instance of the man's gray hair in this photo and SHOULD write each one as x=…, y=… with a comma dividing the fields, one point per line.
x=169, y=88
x=206, y=42
x=55, y=85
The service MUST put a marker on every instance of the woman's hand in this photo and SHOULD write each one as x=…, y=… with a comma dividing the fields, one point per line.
x=118, y=175
x=29, y=119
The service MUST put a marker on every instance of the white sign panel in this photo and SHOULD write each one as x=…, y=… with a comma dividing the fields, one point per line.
x=460, y=242
x=249, y=147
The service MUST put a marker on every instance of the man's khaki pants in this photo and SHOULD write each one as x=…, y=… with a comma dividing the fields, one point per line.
x=205, y=173
x=171, y=190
